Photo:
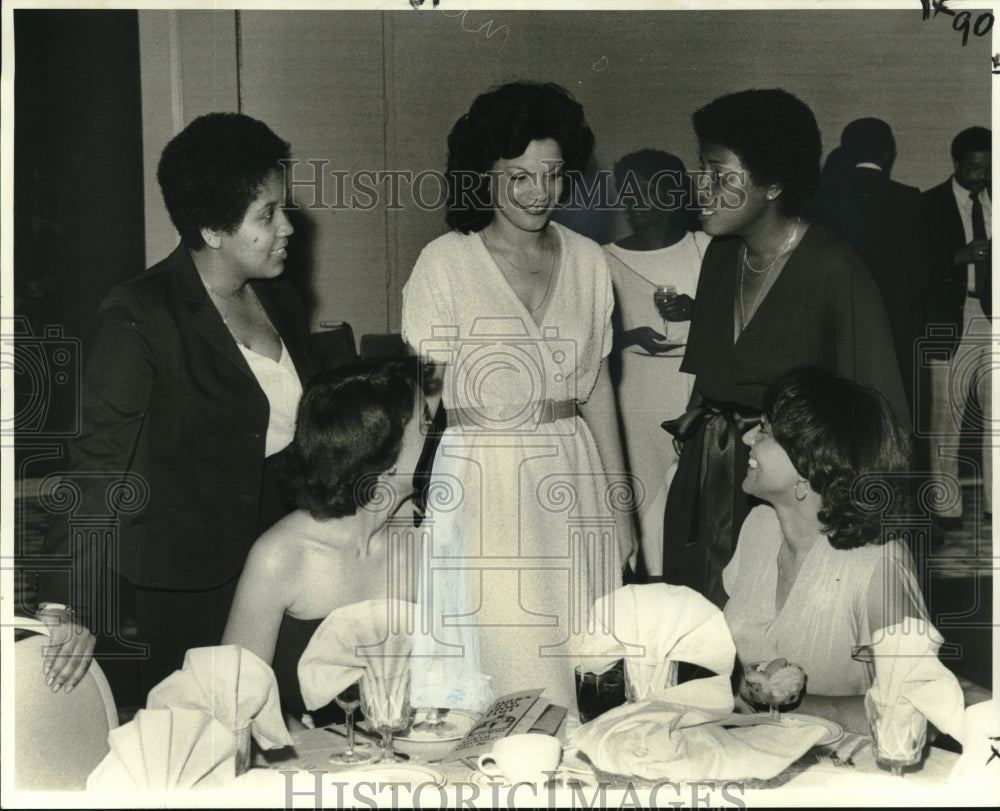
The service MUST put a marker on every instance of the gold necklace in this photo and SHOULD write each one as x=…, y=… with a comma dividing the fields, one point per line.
x=225, y=313
x=745, y=266
x=551, y=275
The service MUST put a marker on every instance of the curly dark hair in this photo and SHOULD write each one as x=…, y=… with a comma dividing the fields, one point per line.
x=214, y=169
x=974, y=139
x=775, y=136
x=349, y=429
x=500, y=125
x=835, y=430
x=672, y=183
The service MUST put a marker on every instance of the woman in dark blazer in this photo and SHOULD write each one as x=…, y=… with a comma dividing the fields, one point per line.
x=190, y=388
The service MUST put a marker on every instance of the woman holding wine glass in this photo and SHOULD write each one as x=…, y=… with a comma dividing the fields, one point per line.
x=654, y=271
x=775, y=292
x=349, y=469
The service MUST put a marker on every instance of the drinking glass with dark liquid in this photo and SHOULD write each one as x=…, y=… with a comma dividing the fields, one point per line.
x=596, y=693
x=662, y=296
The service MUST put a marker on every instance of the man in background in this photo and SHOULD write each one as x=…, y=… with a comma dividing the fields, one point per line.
x=884, y=222
x=958, y=298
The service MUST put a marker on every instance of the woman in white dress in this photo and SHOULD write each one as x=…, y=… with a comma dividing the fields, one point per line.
x=524, y=528
x=663, y=249
x=815, y=576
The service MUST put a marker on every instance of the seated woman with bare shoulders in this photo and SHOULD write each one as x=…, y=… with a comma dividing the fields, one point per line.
x=349, y=469
x=814, y=577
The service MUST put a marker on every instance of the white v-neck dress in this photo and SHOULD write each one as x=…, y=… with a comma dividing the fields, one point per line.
x=520, y=527
x=825, y=617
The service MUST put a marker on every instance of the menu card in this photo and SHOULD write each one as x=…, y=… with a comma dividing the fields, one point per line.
x=511, y=714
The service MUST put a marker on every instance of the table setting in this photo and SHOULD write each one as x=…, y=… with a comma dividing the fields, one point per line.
x=637, y=728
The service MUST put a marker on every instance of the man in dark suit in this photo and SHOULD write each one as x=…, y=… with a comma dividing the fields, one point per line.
x=958, y=299
x=883, y=221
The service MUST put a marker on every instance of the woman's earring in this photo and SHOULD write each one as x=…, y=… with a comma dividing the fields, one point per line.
x=802, y=496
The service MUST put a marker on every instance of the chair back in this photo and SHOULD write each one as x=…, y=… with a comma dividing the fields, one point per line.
x=382, y=346
x=59, y=738
x=333, y=346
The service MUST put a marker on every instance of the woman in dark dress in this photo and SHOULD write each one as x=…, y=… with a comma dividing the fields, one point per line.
x=775, y=292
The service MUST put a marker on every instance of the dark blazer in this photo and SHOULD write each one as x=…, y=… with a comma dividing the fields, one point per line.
x=944, y=297
x=884, y=222
x=168, y=395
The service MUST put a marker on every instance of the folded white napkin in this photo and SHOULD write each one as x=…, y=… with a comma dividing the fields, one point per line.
x=978, y=766
x=230, y=684
x=907, y=667
x=654, y=625
x=375, y=636
x=659, y=740
x=167, y=749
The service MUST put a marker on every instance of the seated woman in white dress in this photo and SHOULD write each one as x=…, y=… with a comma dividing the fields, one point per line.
x=814, y=577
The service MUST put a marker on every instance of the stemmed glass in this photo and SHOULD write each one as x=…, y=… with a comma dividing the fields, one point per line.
x=434, y=723
x=349, y=700
x=386, y=704
x=662, y=296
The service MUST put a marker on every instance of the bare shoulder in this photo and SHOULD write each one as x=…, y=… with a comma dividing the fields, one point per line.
x=278, y=552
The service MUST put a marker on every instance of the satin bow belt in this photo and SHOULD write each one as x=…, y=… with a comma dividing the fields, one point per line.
x=705, y=504
x=541, y=412
x=738, y=418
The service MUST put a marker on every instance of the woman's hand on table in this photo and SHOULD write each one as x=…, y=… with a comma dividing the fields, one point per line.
x=648, y=339
x=69, y=652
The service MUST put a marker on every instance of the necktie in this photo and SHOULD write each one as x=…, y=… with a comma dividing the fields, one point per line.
x=979, y=232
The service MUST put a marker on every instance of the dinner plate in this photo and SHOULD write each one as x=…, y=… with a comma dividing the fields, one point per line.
x=410, y=774
x=834, y=732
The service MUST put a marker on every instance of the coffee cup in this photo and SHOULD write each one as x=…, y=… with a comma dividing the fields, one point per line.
x=528, y=758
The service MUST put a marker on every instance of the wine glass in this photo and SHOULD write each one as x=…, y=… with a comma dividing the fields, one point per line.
x=662, y=296
x=386, y=704
x=435, y=723
x=349, y=700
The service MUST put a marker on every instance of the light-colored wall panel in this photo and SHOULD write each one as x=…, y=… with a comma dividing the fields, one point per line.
x=317, y=80
x=187, y=68
x=373, y=90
